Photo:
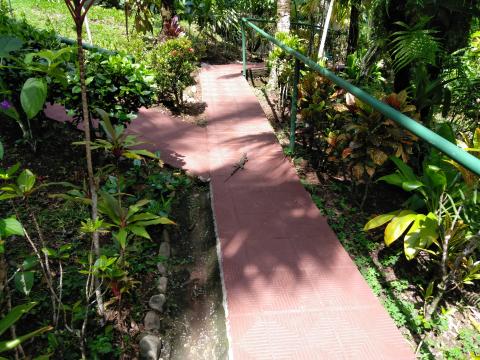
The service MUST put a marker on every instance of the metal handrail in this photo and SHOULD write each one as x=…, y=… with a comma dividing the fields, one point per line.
x=87, y=46
x=464, y=158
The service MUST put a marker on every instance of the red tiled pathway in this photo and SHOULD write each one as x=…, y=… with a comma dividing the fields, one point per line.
x=292, y=292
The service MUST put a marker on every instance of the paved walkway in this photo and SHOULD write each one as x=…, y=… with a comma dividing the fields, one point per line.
x=292, y=292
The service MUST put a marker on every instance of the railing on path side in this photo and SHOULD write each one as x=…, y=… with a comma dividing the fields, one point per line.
x=453, y=151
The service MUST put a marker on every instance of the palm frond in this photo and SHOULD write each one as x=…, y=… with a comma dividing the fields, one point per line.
x=414, y=44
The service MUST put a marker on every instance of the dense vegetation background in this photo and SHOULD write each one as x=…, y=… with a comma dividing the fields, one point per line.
x=76, y=226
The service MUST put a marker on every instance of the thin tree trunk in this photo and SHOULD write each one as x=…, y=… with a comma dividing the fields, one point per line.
x=126, y=17
x=321, y=49
x=283, y=25
x=353, y=28
x=283, y=15
x=88, y=153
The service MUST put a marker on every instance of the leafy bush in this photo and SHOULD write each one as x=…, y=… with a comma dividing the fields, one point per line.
x=116, y=83
x=465, y=84
x=282, y=61
x=440, y=221
x=368, y=138
x=173, y=62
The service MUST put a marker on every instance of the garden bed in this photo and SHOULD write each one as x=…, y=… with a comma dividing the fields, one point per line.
x=455, y=332
x=192, y=321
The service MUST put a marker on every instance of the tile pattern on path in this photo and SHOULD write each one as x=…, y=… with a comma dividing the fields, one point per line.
x=292, y=292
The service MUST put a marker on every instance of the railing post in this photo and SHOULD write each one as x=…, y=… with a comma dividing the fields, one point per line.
x=244, y=50
x=293, y=112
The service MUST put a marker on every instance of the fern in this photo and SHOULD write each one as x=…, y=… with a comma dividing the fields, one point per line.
x=414, y=44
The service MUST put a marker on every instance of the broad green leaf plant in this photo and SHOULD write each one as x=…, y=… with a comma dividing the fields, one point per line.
x=439, y=223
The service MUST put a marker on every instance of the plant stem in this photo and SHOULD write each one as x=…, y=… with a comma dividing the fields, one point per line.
x=88, y=153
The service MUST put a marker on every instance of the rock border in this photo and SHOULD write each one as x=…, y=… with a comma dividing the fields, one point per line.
x=150, y=342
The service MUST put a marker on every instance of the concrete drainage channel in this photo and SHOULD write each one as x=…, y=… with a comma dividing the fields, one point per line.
x=185, y=317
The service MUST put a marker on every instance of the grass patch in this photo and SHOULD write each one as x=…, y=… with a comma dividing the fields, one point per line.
x=107, y=25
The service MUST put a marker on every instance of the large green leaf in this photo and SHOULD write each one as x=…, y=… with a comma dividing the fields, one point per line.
x=121, y=237
x=436, y=176
x=139, y=231
x=393, y=179
x=2, y=151
x=411, y=185
x=398, y=225
x=33, y=96
x=26, y=181
x=380, y=220
x=421, y=235
x=9, y=44
x=160, y=220
x=10, y=226
x=24, y=281
x=405, y=170
x=12, y=344
x=16, y=313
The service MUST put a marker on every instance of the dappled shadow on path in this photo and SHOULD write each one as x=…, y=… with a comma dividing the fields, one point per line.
x=292, y=291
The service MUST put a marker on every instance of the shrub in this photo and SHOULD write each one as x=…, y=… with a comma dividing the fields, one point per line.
x=174, y=61
x=116, y=84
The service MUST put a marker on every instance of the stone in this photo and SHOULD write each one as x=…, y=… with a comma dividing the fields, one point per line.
x=162, y=285
x=161, y=269
x=166, y=236
x=166, y=351
x=164, y=250
x=150, y=346
x=156, y=302
x=151, y=321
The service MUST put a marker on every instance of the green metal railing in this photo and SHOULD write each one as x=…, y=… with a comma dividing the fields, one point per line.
x=86, y=46
x=453, y=151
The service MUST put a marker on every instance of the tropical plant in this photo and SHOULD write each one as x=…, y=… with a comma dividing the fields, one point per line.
x=118, y=143
x=368, y=138
x=174, y=62
x=433, y=225
x=10, y=319
x=118, y=84
x=414, y=44
x=128, y=221
x=40, y=70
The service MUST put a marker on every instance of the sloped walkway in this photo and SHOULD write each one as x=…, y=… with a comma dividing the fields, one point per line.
x=291, y=290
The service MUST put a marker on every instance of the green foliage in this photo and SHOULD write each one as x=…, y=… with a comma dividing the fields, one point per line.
x=174, y=62
x=128, y=221
x=369, y=78
x=117, y=84
x=102, y=345
x=280, y=59
x=367, y=138
x=33, y=96
x=414, y=44
x=10, y=319
x=464, y=83
x=118, y=143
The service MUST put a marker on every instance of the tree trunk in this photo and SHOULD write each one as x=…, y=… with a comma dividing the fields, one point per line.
x=321, y=49
x=353, y=28
x=283, y=15
x=88, y=153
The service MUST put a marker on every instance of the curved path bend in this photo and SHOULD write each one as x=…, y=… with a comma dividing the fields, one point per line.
x=291, y=290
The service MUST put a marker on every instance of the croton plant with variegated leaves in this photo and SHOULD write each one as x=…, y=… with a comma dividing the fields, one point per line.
x=369, y=138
